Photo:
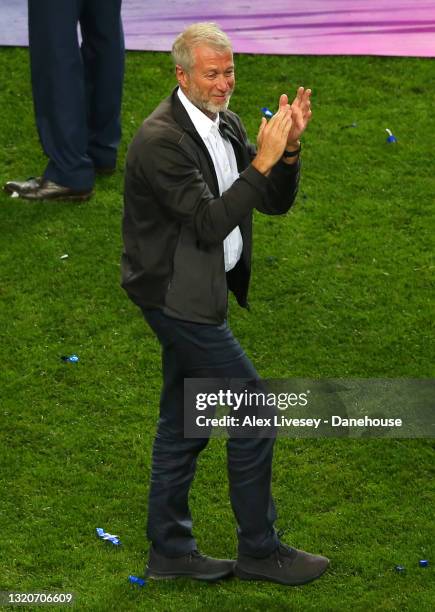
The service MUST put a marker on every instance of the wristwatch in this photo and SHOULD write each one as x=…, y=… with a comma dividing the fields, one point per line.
x=292, y=153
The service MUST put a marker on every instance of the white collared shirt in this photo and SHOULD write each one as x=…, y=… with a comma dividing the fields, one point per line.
x=225, y=165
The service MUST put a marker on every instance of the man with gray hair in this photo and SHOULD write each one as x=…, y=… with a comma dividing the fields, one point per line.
x=192, y=182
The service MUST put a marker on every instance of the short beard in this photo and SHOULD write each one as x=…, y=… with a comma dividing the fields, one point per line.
x=206, y=106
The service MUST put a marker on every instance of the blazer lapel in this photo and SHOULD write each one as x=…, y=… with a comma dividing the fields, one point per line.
x=228, y=132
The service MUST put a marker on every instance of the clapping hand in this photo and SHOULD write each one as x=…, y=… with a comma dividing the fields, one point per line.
x=301, y=113
x=283, y=130
x=272, y=139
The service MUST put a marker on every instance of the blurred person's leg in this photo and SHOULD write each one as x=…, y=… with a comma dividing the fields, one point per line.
x=59, y=95
x=103, y=58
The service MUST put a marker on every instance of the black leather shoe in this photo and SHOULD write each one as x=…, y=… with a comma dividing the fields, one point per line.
x=31, y=184
x=192, y=565
x=285, y=565
x=39, y=189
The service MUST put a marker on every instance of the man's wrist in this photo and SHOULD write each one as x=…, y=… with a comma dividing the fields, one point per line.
x=293, y=146
x=261, y=166
x=291, y=152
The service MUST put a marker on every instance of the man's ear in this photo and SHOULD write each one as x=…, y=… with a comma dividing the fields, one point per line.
x=182, y=76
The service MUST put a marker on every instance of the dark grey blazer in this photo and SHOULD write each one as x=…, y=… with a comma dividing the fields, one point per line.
x=175, y=221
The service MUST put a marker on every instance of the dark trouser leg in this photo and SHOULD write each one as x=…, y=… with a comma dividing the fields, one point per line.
x=204, y=351
x=59, y=91
x=103, y=57
x=250, y=475
x=169, y=525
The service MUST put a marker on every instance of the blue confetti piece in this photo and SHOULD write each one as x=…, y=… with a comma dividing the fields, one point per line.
x=266, y=112
x=114, y=539
x=136, y=580
x=70, y=358
x=423, y=563
x=391, y=137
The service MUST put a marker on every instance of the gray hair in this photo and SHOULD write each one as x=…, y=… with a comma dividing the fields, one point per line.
x=197, y=34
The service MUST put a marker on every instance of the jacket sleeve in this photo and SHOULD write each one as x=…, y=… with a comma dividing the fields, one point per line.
x=173, y=174
x=283, y=181
x=282, y=188
x=176, y=180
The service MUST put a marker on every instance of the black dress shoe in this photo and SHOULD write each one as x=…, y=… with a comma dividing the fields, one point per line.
x=31, y=184
x=192, y=565
x=285, y=565
x=43, y=189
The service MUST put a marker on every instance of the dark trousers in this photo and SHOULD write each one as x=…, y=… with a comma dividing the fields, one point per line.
x=77, y=90
x=191, y=350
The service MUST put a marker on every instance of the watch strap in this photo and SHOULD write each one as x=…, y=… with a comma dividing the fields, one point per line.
x=292, y=153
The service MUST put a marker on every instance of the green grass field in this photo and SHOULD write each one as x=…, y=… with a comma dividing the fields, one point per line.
x=342, y=287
